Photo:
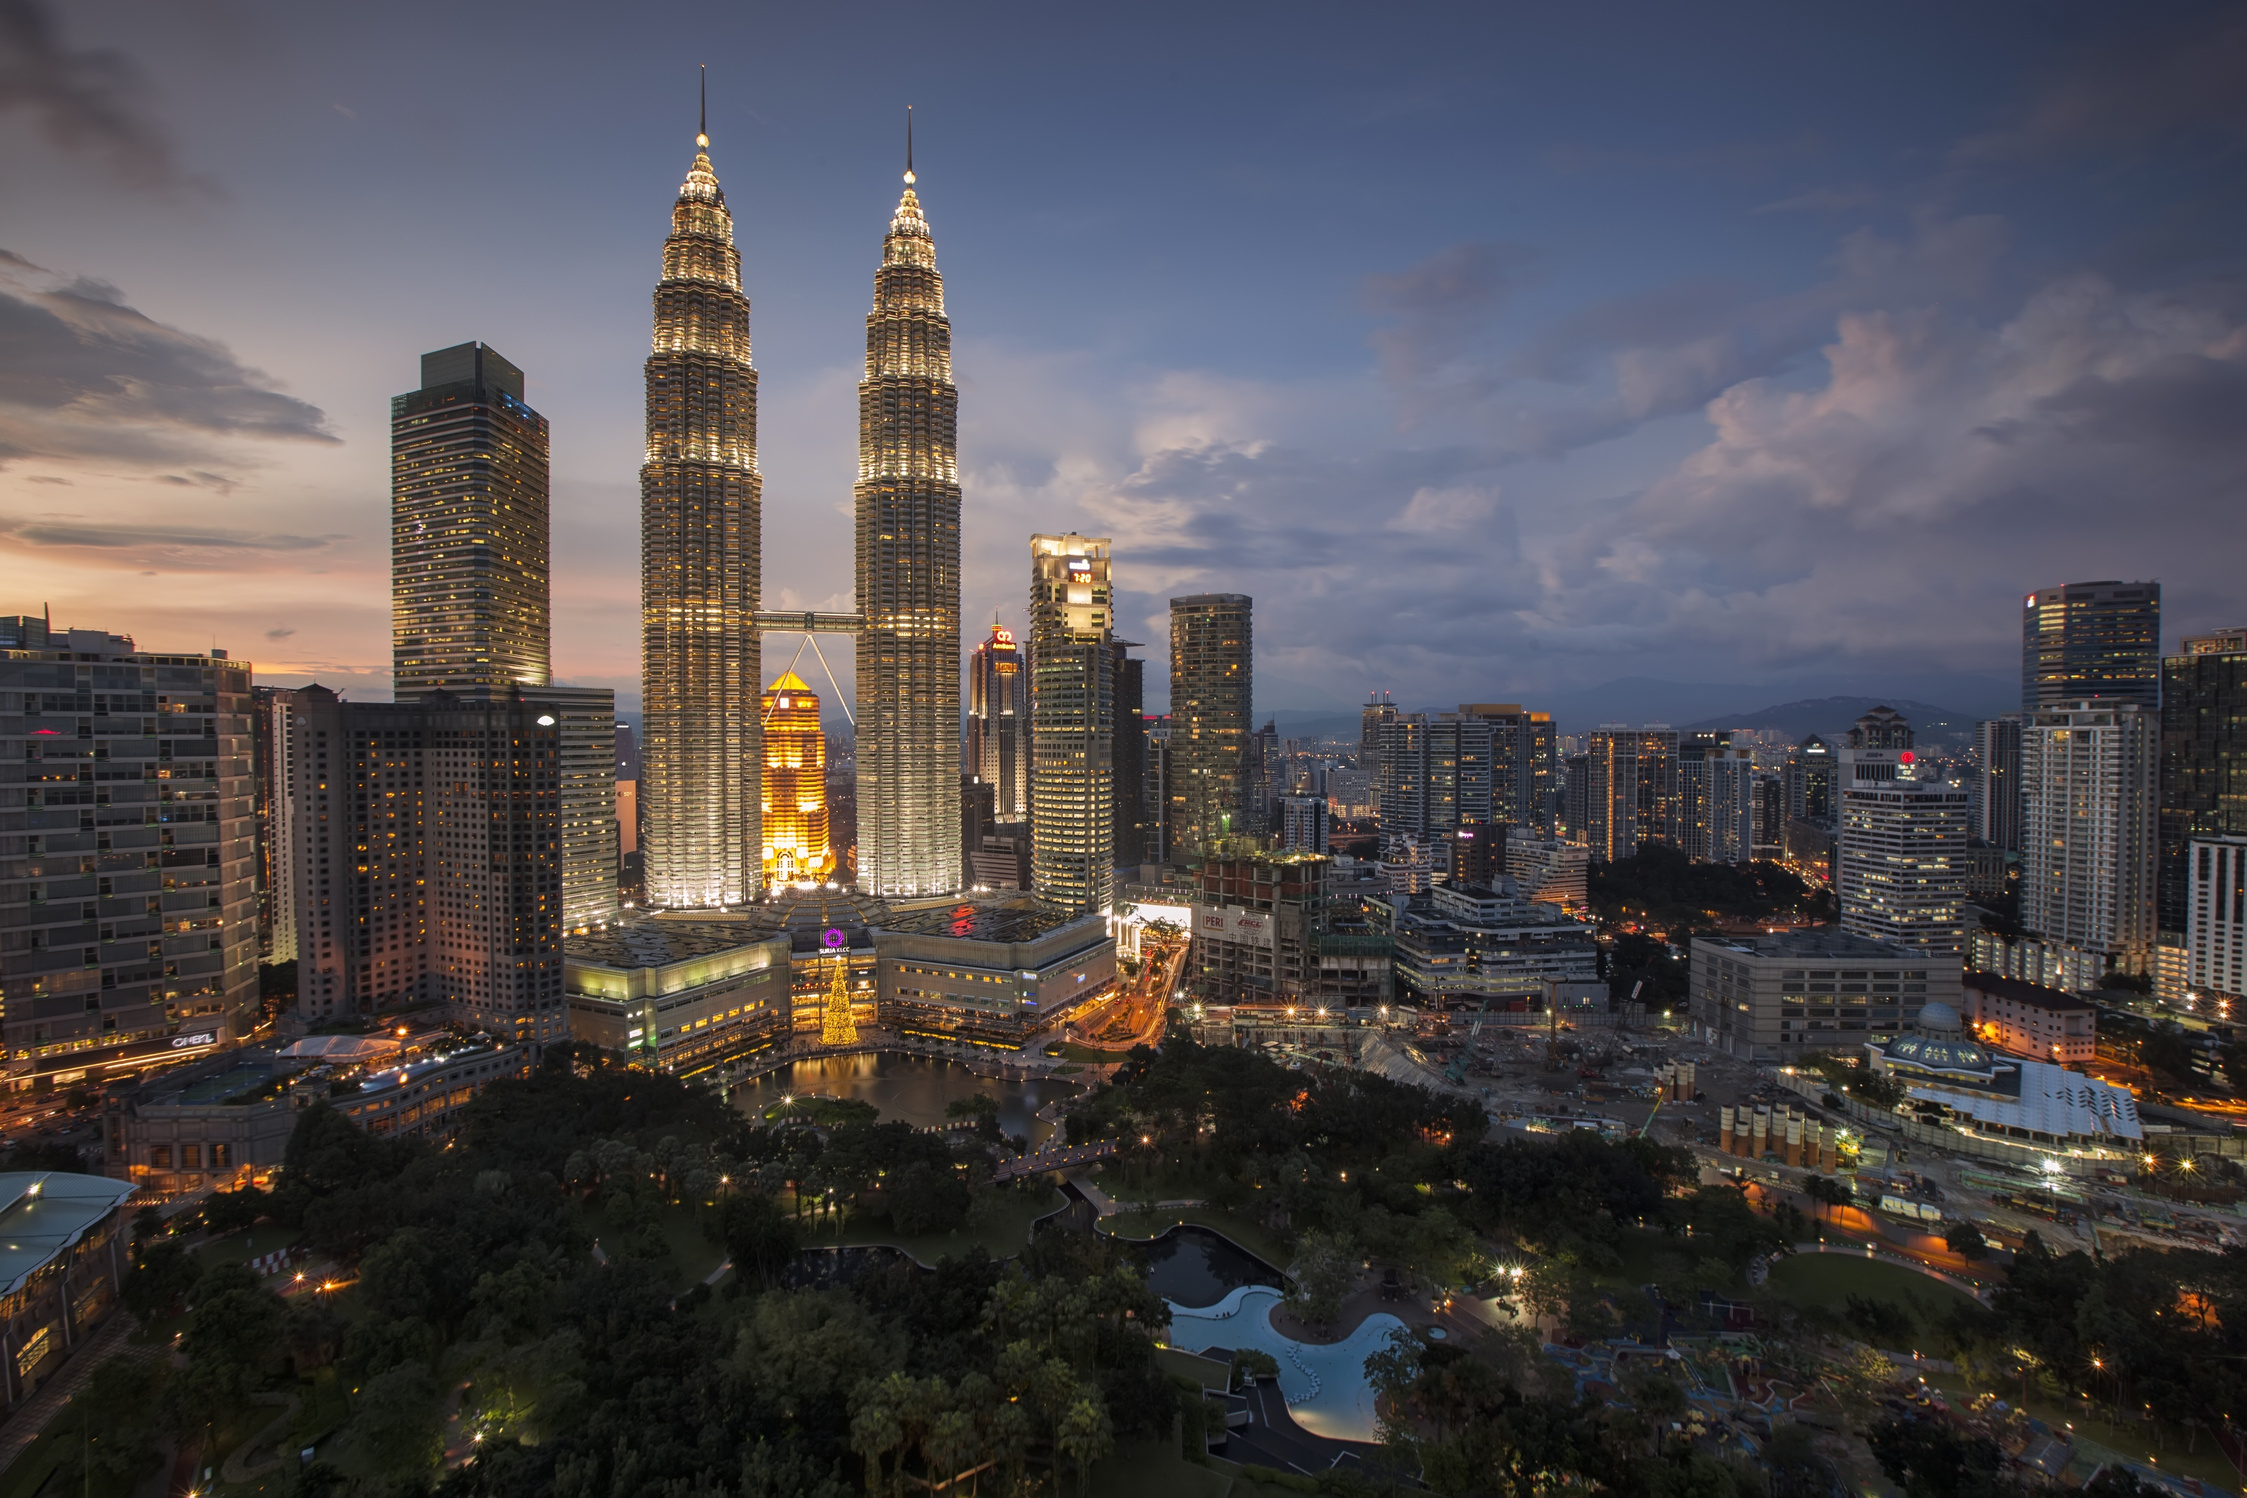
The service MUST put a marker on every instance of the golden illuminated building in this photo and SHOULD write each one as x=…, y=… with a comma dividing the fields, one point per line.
x=699, y=566
x=908, y=574
x=795, y=800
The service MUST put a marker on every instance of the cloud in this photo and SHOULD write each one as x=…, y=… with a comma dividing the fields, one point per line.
x=2183, y=82
x=135, y=547
x=85, y=375
x=280, y=632
x=81, y=100
x=1440, y=308
x=1941, y=463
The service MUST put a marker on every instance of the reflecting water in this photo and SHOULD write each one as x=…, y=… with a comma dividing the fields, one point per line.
x=1325, y=1385
x=912, y=1088
x=1191, y=1266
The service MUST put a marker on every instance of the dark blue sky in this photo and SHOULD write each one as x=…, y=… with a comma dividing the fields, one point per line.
x=1499, y=351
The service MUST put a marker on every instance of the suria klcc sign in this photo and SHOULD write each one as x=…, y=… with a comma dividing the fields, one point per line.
x=1233, y=924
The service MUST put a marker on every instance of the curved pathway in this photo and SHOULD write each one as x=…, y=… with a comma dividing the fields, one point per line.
x=238, y=1467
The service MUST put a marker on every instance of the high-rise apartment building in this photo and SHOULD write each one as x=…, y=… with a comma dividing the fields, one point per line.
x=1524, y=772
x=1266, y=772
x=908, y=569
x=1072, y=721
x=2091, y=642
x=2203, y=759
x=1155, y=841
x=1372, y=718
x=2215, y=934
x=1436, y=772
x=1997, y=802
x=468, y=528
x=998, y=718
x=2088, y=777
x=429, y=856
x=1901, y=865
x=585, y=718
x=1715, y=799
x=1302, y=824
x=1131, y=756
x=794, y=813
x=274, y=776
x=1810, y=783
x=700, y=567
x=1212, y=660
x=1630, y=788
x=128, y=854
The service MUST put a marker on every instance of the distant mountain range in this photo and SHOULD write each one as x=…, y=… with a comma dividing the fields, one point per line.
x=1830, y=717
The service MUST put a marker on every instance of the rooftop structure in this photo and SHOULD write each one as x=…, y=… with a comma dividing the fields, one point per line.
x=61, y=1264
x=2032, y=1101
x=2029, y=1019
x=1773, y=996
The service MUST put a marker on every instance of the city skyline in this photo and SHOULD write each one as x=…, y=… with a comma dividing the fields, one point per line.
x=1450, y=336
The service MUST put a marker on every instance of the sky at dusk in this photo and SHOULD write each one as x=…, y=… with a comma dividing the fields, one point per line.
x=1499, y=351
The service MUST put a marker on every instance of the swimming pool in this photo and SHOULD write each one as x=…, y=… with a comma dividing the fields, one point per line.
x=1324, y=1386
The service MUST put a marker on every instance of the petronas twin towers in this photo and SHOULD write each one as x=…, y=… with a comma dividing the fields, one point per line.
x=701, y=517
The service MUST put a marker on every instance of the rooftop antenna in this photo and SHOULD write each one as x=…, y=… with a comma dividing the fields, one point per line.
x=909, y=145
x=702, y=117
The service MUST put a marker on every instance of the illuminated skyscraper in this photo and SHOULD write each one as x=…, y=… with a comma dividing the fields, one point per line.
x=908, y=502
x=699, y=566
x=2091, y=641
x=1072, y=722
x=1211, y=688
x=998, y=715
x=468, y=525
x=795, y=799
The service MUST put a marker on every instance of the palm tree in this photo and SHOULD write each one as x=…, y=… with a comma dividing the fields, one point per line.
x=1084, y=1436
x=874, y=1433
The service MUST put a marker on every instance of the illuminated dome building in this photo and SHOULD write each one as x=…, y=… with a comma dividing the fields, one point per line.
x=1951, y=1077
x=797, y=850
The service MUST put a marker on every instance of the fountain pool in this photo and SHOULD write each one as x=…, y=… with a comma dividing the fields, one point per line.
x=1325, y=1386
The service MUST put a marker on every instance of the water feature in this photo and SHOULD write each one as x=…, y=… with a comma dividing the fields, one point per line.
x=912, y=1088
x=1324, y=1384
x=1191, y=1266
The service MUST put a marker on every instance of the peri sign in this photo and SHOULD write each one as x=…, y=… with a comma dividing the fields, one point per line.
x=1233, y=924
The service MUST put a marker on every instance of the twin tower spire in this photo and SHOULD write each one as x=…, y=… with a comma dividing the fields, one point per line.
x=701, y=519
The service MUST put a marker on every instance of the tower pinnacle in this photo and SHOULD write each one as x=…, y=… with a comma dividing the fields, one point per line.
x=702, y=116
x=909, y=179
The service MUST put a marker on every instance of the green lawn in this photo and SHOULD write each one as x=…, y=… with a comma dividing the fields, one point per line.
x=1825, y=1281
x=240, y=1248
x=1150, y=1469
x=1005, y=1234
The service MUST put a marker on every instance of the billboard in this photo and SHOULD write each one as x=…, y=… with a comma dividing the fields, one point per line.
x=1232, y=923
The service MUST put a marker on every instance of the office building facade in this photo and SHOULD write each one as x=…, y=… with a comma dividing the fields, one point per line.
x=1302, y=824
x=908, y=571
x=1436, y=772
x=128, y=855
x=2091, y=642
x=2203, y=763
x=1997, y=767
x=468, y=525
x=1131, y=756
x=2088, y=778
x=1902, y=868
x=275, y=780
x=701, y=502
x=1775, y=996
x=1212, y=688
x=1072, y=721
x=998, y=721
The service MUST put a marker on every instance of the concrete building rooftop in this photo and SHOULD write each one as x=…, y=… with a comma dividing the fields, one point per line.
x=641, y=944
x=2022, y=992
x=1016, y=920
x=1818, y=943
